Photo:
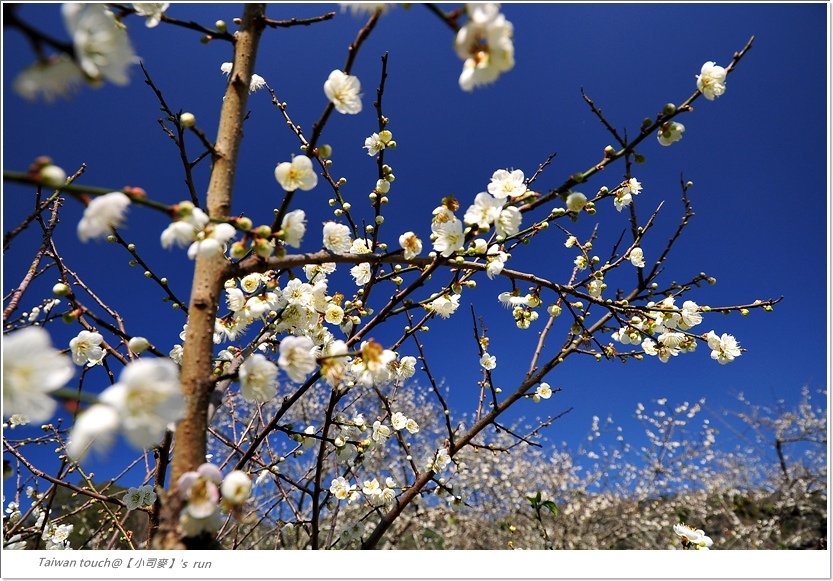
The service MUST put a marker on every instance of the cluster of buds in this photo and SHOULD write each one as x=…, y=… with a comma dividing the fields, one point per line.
x=206, y=492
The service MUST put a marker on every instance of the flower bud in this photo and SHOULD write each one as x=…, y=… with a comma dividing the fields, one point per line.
x=245, y=223
x=385, y=136
x=669, y=109
x=53, y=176
x=325, y=150
x=263, y=231
x=238, y=250
x=138, y=345
x=187, y=120
x=221, y=25
x=61, y=290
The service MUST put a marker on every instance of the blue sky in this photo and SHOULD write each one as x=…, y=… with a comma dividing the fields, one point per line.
x=757, y=156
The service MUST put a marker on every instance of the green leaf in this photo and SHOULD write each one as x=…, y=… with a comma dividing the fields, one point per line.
x=550, y=506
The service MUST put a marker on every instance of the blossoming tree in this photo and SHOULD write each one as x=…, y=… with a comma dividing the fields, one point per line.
x=280, y=352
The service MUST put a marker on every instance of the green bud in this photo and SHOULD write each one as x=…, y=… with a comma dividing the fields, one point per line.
x=263, y=231
x=244, y=223
x=238, y=250
x=639, y=158
x=221, y=25
x=646, y=123
x=61, y=290
x=669, y=109
x=148, y=274
x=325, y=150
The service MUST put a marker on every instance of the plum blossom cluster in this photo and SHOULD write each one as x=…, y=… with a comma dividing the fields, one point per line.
x=205, y=493
x=663, y=332
x=523, y=307
x=485, y=45
x=139, y=496
x=193, y=228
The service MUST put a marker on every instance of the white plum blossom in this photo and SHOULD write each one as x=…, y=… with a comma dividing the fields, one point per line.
x=236, y=487
x=344, y=92
x=488, y=362
x=690, y=315
x=86, y=348
x=341, y=488
x=153, y=11
x=251, y=282
x=294, y=226
x=183, y=231
x=297, y=357
x=58, y=76
x=32, y=369
x=637, y=257
x=506, y=184
x=297, y=174
x=255, y=83
x=374, y=144
x=691, y=537
x=576, y=202
x=235, y=299
x=258, y=379
x=445, y=305
x=485, y=45
x=18, y=420
x=211, y=240
x=595, y=287
x=624, y=195
x=139, y=496
x=724, y=348
x=404, y=368
x=712, y=80
x=380, y=432
x=497, y=260
x=440, y=461
x=398, y=420
x=543, y=391
x=659, y=350
x=95, y=429
x=337, y=238
x=102, y=47
x=449, y=237
x=102, y=214
x=484, y=211
x=145, y=401
x=361, y=273
x=508, y=222
x=670, y=132
x=411, y=245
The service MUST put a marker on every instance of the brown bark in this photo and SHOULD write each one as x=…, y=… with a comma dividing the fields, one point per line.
x=191, y=432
